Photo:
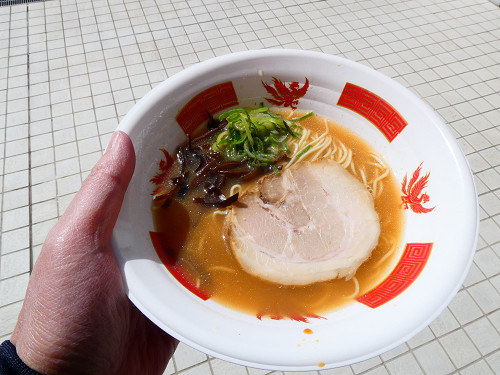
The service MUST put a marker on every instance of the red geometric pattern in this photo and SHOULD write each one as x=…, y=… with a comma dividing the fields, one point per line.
x=210, y=101
x=169, y=259
x=374, y=109
x=404, y=274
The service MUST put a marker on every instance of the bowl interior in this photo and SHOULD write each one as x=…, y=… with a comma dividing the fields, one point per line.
x=394, y=122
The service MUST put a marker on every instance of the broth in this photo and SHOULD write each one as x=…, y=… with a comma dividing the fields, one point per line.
x=198, y=237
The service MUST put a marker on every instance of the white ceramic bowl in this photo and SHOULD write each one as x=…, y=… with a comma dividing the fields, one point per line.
x=437, y=247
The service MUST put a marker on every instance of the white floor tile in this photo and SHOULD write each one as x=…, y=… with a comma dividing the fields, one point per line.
x=16, y=218
x=366, y=365
x=43, y=192
x=170, y=369
x=405, y=364
x=13, y=289
x=186, y=356
x=44, y=211
x=8, y=317
x=201, y=369
x=220, y=367
x=459, y=348
x=16, y=180
x=484, y=335
x=444, y=323
x=14, y=264
x=346, y=370
x=478, y=368
x=15, y=199
x=433, y=359
x=494, y=361
x=487, y=297
x=464, y=308
x=15, y=240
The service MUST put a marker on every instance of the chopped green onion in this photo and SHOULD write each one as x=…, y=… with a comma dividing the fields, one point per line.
x=275, y=169
x=290, y=130
x=256, y=134
x=304, y=150
x=309, y=114
x=229, y=113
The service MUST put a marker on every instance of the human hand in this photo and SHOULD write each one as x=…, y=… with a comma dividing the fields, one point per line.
x=76, y=317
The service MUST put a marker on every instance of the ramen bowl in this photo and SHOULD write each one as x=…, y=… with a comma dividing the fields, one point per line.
x=437, y=196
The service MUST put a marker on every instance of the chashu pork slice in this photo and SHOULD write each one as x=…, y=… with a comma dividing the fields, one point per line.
x=314, y=222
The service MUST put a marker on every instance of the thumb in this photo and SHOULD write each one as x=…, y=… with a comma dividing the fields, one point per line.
x=69, y=284
x=95, y=208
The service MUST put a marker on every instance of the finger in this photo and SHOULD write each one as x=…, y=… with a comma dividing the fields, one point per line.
x=95, y=208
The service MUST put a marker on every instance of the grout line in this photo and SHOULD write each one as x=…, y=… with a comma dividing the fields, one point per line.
x=210, y=365
x=416, y=361
x=99, y=135
x=482, y=358
x=30, y=184
x=5, y=136
x=190, y=367
x=488, y=363
x=376, y=367
x=67, y=66
x=49, y=93
x=47, y=59
x=172, y=359
x=436, y=338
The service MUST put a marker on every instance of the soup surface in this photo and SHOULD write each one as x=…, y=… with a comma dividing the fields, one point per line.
x=197, y=234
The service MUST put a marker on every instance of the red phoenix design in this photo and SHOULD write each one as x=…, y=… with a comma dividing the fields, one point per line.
x=413, y=197
x=287, y=96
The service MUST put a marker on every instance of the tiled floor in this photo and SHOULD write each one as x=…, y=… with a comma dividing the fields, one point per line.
x=70, y=70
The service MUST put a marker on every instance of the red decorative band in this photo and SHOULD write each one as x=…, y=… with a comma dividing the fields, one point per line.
x=407, y=270
x=208, y=102
x=374, y=109
x=169, y=259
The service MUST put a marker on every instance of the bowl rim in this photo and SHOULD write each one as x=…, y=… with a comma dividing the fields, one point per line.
x=130, y=121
